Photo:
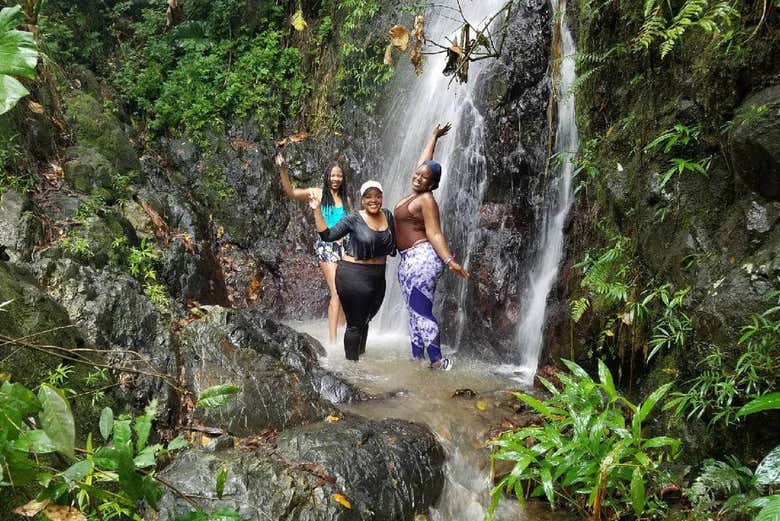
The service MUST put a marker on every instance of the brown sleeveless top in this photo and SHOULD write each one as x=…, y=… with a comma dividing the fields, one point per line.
x=409, y=228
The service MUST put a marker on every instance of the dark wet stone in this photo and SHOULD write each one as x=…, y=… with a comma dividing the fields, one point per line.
x=20, y=229
x=87, y=169
x=465, y=393
x=755, y=145
x=390, y=468
x=276, y=368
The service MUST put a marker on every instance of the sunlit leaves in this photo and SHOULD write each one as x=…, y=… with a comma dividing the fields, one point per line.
x=217, y=396
x=18, y=57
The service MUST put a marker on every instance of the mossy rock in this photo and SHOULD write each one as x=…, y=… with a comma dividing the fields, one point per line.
x=44, y=322
x=98, y=128
x=99, y=234
x=87, y=169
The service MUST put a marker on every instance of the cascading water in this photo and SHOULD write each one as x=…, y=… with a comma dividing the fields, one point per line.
x=421, y=103
x=548, y=259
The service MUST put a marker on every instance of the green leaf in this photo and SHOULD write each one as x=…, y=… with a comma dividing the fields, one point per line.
x=106, y=422
x=217, y=396
x=768, y=471
x=654, y=397
x=547, y=485
x=106, y=458
x=123, y=437
x=18, y=54
x=142, y=427
x=221, y=480
x=194, y=516
x=146, y=458
x=762, y=403
x=178, y=443
x=537, y=405
x=57, y=419
x=638, y=492
x=18, y=397
x=224, y=514
x=608, y=384
x=771, y=511
x=36, y=441
x=78, y=471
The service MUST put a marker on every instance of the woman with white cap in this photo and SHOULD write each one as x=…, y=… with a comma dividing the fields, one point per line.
x=360, y=275
x=424, y=254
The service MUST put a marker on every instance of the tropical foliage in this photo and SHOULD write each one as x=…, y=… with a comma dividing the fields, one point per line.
x=590, y=453
x=18, y=57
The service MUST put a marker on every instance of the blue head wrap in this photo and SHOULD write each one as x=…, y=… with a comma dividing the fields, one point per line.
x=435, y=172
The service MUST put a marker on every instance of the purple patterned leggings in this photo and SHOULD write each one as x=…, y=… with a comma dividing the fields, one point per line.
x=418, y=273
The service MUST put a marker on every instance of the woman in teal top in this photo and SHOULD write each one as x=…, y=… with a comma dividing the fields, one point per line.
x=335, y=205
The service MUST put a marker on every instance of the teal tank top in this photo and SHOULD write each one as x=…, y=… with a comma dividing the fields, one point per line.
x=333, y=214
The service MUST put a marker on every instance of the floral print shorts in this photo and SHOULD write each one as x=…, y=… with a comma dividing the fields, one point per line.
x=328, y=251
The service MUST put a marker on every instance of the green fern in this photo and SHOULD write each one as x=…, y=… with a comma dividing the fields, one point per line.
x=578, y=308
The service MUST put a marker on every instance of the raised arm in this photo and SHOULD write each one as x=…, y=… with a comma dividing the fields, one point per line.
x=430, y=147
x=339, y=230
x=299, y=194
x=430, y=211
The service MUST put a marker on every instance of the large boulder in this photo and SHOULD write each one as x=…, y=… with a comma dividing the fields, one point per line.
x=387, y=470
x=113, y=314
x=87, y=169
x=96, y=127
x=275, y=367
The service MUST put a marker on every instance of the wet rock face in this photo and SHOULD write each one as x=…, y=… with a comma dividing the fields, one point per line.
x=20, y=229
x=276, y=368
x=388, y=470
x=756, y=143
x=514, y=93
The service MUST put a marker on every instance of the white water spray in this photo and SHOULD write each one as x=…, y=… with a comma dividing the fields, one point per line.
x=547, y=264
x=419, y=104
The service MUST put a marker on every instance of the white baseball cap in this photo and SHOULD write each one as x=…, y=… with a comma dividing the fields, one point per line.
x=370, y=184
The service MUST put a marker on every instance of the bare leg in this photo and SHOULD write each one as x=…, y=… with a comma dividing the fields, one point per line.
x=334, y=306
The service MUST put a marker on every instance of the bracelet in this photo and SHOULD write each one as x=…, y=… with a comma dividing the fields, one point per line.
x=448, y=260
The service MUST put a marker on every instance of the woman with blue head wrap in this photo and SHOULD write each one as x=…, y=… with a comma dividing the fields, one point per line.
x=424, y=253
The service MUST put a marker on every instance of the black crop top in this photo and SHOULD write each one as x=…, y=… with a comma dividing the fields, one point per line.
x=364, y=243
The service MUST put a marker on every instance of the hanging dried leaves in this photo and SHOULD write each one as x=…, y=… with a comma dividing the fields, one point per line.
x=297, y=20
x=172, y=14
x=294, y=138
x=399, y=37
x=415, y=53
x=388, y=60
x=458, y=55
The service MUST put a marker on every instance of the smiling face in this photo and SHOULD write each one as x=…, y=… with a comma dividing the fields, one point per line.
x=336, y=178
x=422, y=179
x=372, y=201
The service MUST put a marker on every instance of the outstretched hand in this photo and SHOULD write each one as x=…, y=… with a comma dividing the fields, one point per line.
x=314, y=201
x=279, y=160
x=458, y=269
x=440, y=131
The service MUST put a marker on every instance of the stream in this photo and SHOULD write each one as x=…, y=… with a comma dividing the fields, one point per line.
x=411, y=391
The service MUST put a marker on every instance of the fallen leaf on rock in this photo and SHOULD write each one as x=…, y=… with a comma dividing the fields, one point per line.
x=341, y=500
x=31, y=508
x=35, y=107
x=332, y=419
x=506, y=423
x=5, y=377
x=63, y=513
x=481, y=405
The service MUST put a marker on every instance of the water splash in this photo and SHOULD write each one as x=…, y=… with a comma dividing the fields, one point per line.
x=419, y=104
x=547, y=263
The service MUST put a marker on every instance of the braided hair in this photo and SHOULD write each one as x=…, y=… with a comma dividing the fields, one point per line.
x=327, y=196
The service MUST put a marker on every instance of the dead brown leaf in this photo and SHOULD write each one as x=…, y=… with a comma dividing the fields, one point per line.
x=389, y=55
x=63, y=513
x=31, y=508
x=294, y=138
x=399, y=37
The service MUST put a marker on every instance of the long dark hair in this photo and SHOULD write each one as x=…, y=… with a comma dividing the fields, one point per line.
x=327, y=196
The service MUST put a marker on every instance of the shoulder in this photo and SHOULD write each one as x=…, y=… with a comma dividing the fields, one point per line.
x=427, y=200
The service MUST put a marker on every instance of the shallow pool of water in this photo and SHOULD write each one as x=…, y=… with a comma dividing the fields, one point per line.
x=414, y=392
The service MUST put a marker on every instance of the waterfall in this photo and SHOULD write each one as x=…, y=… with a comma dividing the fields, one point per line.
x=548, y=259
x=418, y=105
